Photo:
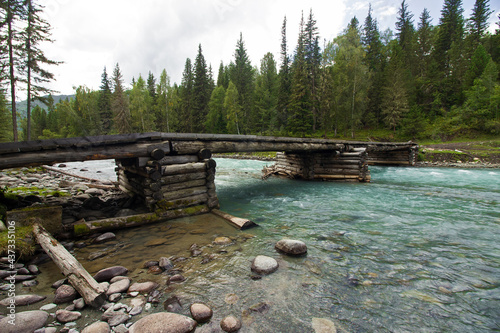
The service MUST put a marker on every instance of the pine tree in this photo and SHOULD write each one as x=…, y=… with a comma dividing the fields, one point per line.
x=142, y=119
x=450, y=31
x=284, y=82
x=201, y=92
x=223, y=76
x=163, y=110
x=5, y=132
x=119, y=104
x=104, y=104
x=242, y=75
x=37, y=32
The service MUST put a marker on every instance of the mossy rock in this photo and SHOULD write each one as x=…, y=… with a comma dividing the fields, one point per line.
x=49, y=217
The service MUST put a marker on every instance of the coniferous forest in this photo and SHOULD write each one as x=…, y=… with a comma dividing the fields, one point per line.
x=420, y=81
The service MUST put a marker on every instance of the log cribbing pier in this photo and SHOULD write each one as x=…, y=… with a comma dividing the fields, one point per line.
x=174, y=173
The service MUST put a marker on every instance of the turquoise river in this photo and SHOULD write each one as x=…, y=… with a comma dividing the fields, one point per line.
x=415, y=250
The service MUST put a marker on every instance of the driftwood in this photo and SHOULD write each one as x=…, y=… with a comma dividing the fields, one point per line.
x=93, y=294
x=92, y=180
x=235, y=221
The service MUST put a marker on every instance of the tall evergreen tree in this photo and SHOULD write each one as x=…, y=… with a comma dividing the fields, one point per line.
x=186, y=99
x=300, y=120
x=313, y=60
x=233, y=109
x=450, y=31
x=104, y=104
x=284, y=81
x=201, y=92
x=37, y=31
x=266, y=95
x=478, y=22
x=217, y=119
x=242, y=75
x=142, y=118
x=375, y=62
x=5, y=132
x=223, y=76
x=14, y=12
x=119, y=104
x=163, y=111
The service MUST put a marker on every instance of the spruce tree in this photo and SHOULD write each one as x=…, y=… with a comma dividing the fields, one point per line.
x=104, y=104
x=201, y=92
x=478, y=22
x=223, y=76
x=119, y=104
x=284, y=82
x=36, y=32
x=186, y=96
x=313, y=59
x=266, y=95
x=242, y=75
x=216, y=119
x=300, y=118
x=233, y=109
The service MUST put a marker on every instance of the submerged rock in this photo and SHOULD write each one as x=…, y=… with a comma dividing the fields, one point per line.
x=173, y=304
x=322, y=325
x=291, y=246
x=163, y=322
x=105, y=237
x=142, y=287
x=27, y=321
x=230, y=324
x=264, y=265
x=223, y=241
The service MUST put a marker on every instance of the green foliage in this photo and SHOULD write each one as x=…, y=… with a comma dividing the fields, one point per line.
x=217, y=119
x=233, y=109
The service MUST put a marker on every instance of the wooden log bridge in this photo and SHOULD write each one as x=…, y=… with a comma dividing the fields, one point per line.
x=174, y=173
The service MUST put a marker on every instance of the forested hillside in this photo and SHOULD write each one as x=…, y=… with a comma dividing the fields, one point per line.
x=420, y=81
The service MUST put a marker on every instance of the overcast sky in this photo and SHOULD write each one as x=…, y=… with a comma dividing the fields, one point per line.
x=153, y=35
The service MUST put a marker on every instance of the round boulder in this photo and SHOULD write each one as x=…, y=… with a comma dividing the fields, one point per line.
x=264, y=265
x=230, y=324
x=27, y=321
x=291, y=246
x=163, y=322
x=142, y=287
x=119, y=286
x=200, y=312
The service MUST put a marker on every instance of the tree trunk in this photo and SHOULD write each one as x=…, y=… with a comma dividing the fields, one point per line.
x=92, y=293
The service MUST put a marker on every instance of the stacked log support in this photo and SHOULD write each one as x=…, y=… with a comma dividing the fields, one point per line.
x=348, y=165
x=171, y=182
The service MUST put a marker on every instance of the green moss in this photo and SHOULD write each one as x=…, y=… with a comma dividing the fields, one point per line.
x=24, y=246
x=35, y=190
x=81, y=229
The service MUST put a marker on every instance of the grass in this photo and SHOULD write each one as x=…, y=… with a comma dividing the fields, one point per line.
x=24, y=245
x=36, y=190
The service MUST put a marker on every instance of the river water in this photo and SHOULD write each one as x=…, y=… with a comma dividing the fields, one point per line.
x=415, y=250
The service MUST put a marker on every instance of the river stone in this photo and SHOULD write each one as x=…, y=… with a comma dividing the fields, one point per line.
x=165, y=322
x=200, y=312
x=264, y=265
x=323, y=325
x=177, y=278
x=118, y=319
x=150, y=263
x=291, y=246
x=135, y=311
x=142, y=287
x=118, y=278
x=27, y=321
x=97, y=327
x=107, y=274
x=30, y=283
x=118, y=287
x=48, y=307
x=114, y=297
x=59, y=283
x=222, y=241
x=105, y=237
x=22, y=300
x=165, y=264
x=173, y=304
x=79, y=303
x=230, y=324
x=64, y=294
x=65, y=316
x=155, y=270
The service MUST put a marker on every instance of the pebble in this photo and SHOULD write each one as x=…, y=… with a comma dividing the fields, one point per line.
x=118, y=287
x=118, y=319
x=48, y=307
x=107, y=274
x=21, y=300
x=165, y=264
x=105, y=237
x=142, y=287
x=65, y=316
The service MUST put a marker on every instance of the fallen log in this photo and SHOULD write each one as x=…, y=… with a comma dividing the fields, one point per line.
x=235, y=221
x=100, y=185
x=93, y=294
